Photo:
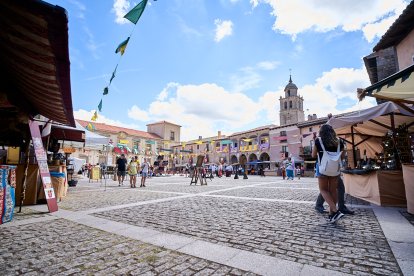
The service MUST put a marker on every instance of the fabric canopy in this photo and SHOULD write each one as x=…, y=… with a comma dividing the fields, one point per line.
x=91, y=138
x=398, y=87
x=370, y=125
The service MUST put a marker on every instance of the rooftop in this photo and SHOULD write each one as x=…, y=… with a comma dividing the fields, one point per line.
x=398, y=30
x=162, y=122
x=115, y=129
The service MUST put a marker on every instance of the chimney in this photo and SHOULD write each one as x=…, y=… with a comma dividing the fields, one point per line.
x=314, y=116
x=309, y=117
x=219, y=134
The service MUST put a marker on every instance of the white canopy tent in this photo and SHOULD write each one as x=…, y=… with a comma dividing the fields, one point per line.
x=92, y=139
x=365, y=128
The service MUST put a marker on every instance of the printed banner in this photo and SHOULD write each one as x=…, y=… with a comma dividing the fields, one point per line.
x=43, y=168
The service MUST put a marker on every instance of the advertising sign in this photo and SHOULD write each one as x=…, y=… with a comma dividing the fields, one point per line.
x=43, y=168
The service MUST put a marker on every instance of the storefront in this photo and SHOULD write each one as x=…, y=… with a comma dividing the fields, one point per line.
x=35, y=80
x=378, y=142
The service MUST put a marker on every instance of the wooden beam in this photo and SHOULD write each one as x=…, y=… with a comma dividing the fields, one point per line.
x=381, y=124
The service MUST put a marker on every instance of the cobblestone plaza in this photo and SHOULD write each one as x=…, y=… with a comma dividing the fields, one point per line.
x=260, y=225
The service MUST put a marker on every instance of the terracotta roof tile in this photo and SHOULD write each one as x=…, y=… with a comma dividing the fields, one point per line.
x=116, y=129
x=163, y=122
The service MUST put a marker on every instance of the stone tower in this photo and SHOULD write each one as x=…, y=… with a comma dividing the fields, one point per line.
x=291, y=106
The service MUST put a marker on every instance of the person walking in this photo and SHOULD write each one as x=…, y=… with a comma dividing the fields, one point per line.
x=145, y=169
x=341, y=200
x=329, y=150
x=133, y=171
x=283, y=172
x=290, y=168
x=121, y=165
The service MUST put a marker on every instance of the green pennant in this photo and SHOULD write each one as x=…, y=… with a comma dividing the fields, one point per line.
x=100, y=106
x=106, y=90
x=113, y=74
x=134, y=14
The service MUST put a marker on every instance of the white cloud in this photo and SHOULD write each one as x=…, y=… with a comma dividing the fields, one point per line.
x=120, y=8
x=223, y=29
x=245, y=79
x=206, y=108
x=138, y=114
x=339, y=84
x=297, y=16
x=268, y=65
x=91, y=44
x=85, y=115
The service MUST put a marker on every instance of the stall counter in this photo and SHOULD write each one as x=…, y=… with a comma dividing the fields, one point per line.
x=384, y=188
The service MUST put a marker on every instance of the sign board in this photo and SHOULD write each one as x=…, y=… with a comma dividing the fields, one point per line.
x=41, y=158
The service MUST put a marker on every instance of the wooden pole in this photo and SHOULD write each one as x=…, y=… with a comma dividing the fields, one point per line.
x=24, y=181
x=353, y=146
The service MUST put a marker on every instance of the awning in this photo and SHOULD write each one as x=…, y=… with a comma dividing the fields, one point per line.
x=93, y=139
x=398, y=87
x=368, y=126
x=66, y=133
x=34, y=60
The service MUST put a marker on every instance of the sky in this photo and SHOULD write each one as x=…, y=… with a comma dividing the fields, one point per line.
x=211, y=65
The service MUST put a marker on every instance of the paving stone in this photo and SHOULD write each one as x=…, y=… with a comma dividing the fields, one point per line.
x=88, y=251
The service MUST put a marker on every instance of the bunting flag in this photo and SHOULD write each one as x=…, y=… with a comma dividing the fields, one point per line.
x=113, y=74
x=134, y=14
x=121, y=47
x=95, y=116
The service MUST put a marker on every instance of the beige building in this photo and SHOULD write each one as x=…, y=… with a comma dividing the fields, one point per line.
x=170, y=137
x=130, y=142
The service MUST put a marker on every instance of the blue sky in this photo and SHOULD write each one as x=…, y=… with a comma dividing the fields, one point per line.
x=212, y=65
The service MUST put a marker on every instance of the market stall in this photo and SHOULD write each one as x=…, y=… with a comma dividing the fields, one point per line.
x=382, y=134
x=35, y=80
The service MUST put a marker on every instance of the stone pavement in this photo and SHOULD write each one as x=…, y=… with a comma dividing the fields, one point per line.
x=264, y=226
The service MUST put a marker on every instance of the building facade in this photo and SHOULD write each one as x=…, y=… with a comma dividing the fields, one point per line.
x=126, y=141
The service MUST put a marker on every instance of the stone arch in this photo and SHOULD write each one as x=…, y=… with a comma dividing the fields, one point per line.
x=233, y=159
x=252, y=157
x=264, y=157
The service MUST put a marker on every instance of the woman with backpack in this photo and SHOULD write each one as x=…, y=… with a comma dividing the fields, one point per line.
x=329, y=151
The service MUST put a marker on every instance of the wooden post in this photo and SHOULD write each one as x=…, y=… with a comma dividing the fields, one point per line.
x=353, y=146
x=24, y=181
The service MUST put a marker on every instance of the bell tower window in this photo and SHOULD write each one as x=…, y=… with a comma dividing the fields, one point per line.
x=290, y=104
x=288, y=93
x=285, y=105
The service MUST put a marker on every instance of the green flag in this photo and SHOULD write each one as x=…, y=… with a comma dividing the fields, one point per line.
x=113, y=74
x=106, y=90
x=121, y=48
x=100, y=106
x=134, y=14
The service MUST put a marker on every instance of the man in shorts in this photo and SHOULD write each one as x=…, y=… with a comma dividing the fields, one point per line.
x=121, y=165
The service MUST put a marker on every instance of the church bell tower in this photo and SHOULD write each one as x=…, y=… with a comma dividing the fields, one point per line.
x=291, y=106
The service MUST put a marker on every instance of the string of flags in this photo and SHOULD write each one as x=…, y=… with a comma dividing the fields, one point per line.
x=133, y=16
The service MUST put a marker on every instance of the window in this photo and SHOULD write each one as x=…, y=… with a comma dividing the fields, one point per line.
x=288, y=93
x=218, y=144
x=283, y=133
x=290, y=104
x=285, y=149
x=285, y=105
x=310, y=129
x=172, y=136
x=235, y=144
x=198, y=147
x=208, y=146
